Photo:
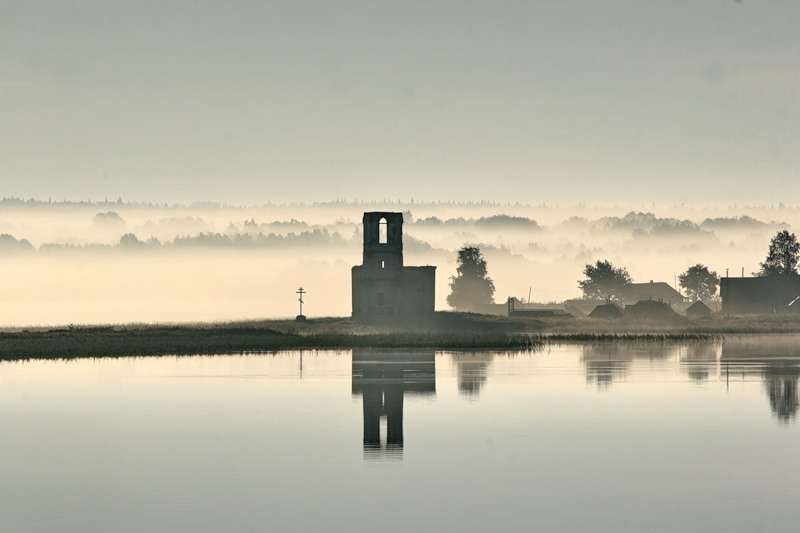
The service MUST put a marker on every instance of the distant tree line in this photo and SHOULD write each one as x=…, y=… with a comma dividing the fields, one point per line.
x=315, y=238
x=494, y=221
x=384, y=205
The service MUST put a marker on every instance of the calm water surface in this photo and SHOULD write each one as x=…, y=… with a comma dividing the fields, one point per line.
x=607, y=437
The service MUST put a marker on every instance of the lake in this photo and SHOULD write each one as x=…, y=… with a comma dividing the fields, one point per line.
x=658, y=436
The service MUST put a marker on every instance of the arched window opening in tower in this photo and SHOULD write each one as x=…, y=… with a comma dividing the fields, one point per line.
x=383, y=231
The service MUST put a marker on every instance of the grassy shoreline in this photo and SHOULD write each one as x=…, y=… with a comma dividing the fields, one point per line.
x=445, y=331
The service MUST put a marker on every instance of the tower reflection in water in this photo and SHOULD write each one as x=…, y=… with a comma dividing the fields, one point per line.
x=383, y=379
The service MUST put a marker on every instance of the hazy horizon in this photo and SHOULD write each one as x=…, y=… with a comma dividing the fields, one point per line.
x=76, y=263
x=270, y=118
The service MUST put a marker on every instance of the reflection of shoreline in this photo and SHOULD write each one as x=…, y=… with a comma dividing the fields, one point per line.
x=383, y=379
x=700, y=359
x=761, y=347
x=780, y=380
x=781, y=388
x=772, y=359
x=607, y=362
x=775, y=360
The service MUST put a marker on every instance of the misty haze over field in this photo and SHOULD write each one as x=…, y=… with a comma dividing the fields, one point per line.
x=671, y=115
x=126, y=262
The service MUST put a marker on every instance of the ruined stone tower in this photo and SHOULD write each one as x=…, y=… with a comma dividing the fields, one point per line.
x=382, y=285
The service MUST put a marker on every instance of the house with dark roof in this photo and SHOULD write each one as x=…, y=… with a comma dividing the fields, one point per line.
x=657, y=291
x=607, y=311
x=518, y=308
x=767, y=295
x=698, y=310
x=651, y=310
x=582, y=306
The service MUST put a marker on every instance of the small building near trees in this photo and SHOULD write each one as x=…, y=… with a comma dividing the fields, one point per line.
x=698, y=310
x=657, y=291
x=608, y=311
x=651, y=310
x=582, y=306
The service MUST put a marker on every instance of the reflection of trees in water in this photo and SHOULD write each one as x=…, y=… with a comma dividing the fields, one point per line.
x=781, y=388
x=758, y=347
x=610, y=361
x=604, y=373
x=699, y=358
x=471, y=369
x=606, y=363
x=774, y=359
x=698, y=371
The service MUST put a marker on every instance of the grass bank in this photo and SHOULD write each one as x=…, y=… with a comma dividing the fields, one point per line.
x=120, y=342
x=444, y=331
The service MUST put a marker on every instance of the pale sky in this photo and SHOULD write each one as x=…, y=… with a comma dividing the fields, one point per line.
x=532, y=101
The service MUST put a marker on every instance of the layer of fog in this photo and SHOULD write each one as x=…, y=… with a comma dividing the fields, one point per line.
x=119, y=263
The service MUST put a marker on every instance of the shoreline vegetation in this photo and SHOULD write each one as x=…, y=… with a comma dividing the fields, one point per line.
x=444, y=331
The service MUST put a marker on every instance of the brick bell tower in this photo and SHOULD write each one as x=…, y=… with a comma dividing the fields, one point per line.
x=382, y=284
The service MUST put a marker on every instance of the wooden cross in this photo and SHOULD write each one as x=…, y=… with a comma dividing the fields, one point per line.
x=301, y=292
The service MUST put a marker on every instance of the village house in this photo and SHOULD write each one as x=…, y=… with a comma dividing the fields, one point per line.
x=766, y=295
x=651, y=310
x=656, y=291
x=698, y=310
x=607, y=311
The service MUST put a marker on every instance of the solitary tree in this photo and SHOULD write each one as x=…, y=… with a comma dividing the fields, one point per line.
x=109, y=218
x=471, y=287
x=603, y=280
x=699, y=282
x=130, y=240
x=782, y=256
